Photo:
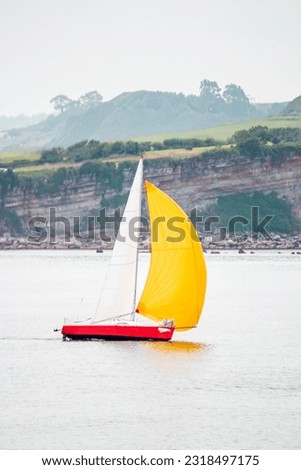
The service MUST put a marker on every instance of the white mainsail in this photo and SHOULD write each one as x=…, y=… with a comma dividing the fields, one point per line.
x=118, y=295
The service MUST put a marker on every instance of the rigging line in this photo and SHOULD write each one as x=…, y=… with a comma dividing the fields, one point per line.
x=103, y=287
x=77, y=310
x=111, y=318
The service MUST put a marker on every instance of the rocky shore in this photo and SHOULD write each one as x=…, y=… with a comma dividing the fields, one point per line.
x=275, y=242
x=211, y=243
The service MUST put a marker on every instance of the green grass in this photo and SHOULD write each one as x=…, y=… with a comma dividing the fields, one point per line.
x=151, y=155
x=168, y=153
x=45, y=167
x=224, y=132
x=9, y=157
x=178, y=153
x=36, y=172
x=220, y=133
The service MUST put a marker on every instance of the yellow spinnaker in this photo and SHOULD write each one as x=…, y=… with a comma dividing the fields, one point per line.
x=176, y=283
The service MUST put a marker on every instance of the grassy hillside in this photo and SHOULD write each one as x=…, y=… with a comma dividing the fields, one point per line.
x=35, y=170
x=27, y=162
x=129, y=114
x=293, y=108
x=10, y=157
x=51, y=171
x=224, y=132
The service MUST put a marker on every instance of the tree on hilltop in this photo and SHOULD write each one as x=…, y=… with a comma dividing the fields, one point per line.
x=210, y=96
x=236, y=99
x=89, y=100
x=62, y=103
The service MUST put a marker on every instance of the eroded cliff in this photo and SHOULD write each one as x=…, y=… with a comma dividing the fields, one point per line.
x=192, y=182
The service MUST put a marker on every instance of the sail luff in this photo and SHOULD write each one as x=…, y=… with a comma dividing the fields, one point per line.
x=137, y=245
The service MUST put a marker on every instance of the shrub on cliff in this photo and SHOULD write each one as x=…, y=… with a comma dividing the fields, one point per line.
x=189, y=143
x=264, y=135
x=107, y=174
x=240, y=204
x=220, y=152
x=9, y=222
x=54, y=155
x=8, y=180
x=251, y=147
x=281, y=152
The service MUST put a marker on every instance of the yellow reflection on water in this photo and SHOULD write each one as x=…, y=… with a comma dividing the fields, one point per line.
x=171, y=347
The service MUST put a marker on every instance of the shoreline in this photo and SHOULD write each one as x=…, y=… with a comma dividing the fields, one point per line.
x=210, y=244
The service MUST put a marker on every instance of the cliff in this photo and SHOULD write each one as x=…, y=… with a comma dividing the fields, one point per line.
x=192, y=182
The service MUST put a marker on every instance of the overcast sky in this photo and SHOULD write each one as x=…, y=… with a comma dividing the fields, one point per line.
x=51, y=47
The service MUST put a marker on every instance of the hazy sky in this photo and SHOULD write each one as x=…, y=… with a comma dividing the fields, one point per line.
x=51, y=47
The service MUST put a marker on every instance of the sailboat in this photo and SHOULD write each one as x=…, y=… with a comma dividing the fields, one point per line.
x=174, y=292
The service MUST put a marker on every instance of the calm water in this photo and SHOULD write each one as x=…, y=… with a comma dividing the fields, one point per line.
x=234, y=382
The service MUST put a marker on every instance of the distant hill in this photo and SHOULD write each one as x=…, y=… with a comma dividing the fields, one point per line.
x=293, y=107
x=269, y=109
x=130, y=115
x=225, y=131
x=15, y=122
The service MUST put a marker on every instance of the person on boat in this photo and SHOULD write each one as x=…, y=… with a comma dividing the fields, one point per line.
x=168, y=323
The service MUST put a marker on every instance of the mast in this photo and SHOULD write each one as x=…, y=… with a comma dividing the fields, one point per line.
x=137, y=248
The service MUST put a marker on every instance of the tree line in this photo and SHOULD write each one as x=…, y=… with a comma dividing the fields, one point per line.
x=257, y=140
x=232, y=100
x=211, y=99
x=94, y=150
x=89, y=100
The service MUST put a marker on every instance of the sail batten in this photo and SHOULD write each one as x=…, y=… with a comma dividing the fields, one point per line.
x=176, y=283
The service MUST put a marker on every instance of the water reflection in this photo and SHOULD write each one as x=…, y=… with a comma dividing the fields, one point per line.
x=177, y=347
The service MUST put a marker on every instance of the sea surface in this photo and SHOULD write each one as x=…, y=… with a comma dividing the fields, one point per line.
x=232, y=383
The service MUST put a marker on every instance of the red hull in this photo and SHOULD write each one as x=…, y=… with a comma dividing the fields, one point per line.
x=118, y=332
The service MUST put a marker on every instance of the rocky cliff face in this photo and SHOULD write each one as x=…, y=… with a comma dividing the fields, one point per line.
x=193, y=182
x=199, y=183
